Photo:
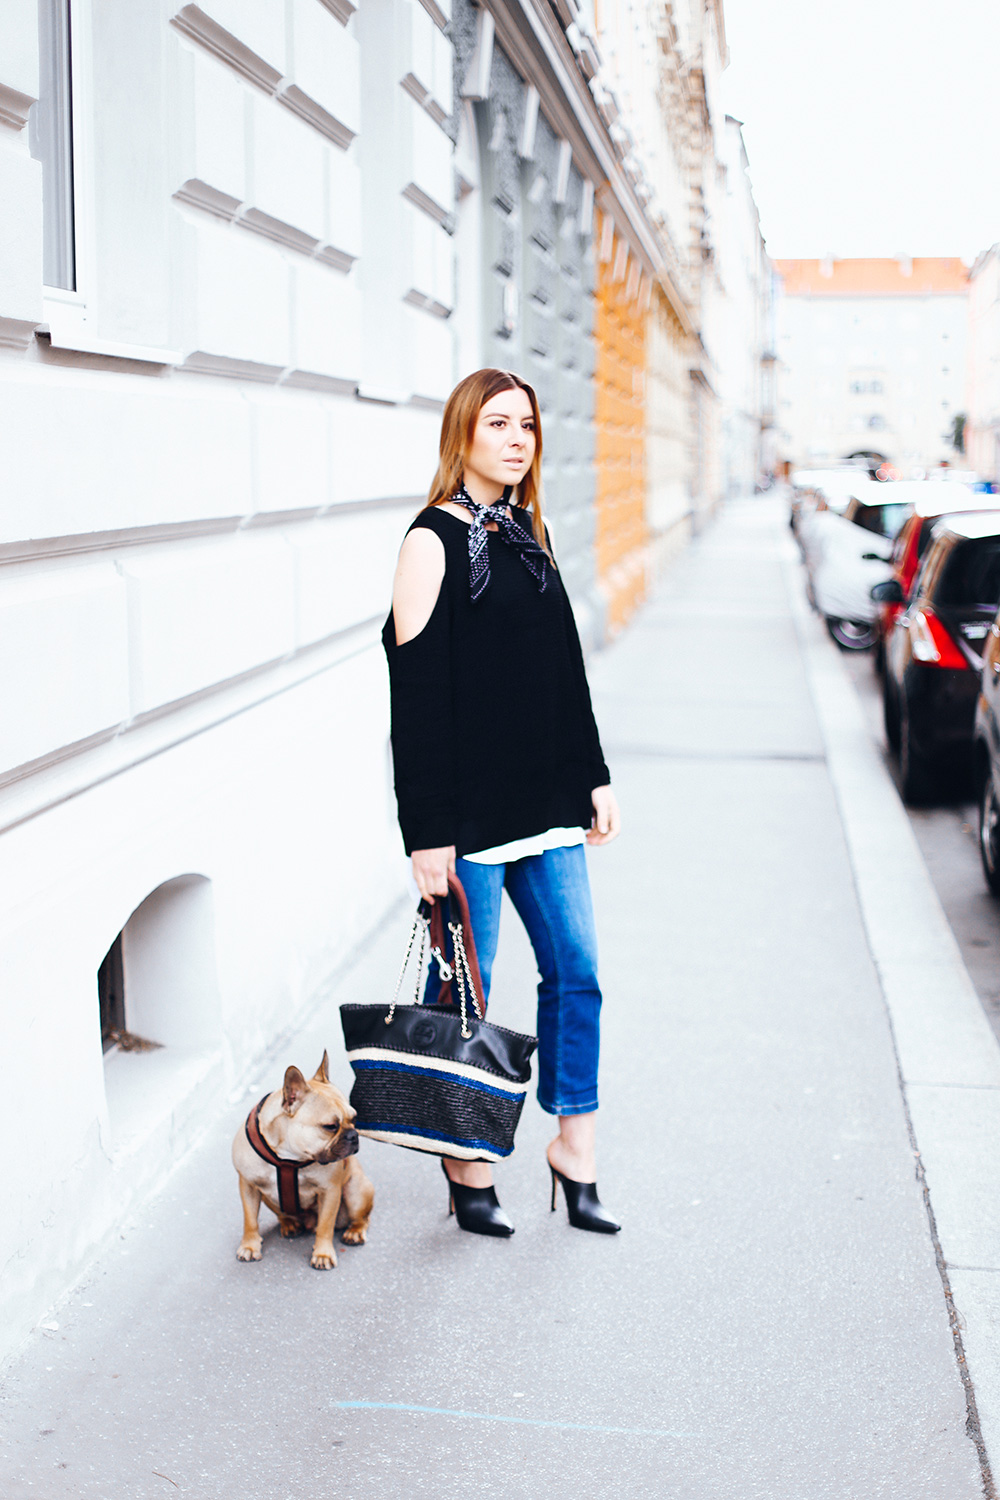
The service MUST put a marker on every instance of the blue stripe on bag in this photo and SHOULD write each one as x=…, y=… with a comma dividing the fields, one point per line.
x=431, y=1135
x=371, y=1064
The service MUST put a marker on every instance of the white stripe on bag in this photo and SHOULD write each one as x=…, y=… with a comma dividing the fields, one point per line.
x=438, y=1065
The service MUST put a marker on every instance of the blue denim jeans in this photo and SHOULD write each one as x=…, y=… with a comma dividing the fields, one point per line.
x=551, y=894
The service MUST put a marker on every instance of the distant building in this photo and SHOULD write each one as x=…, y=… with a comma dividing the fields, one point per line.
x=873, y=355
x=982, y=427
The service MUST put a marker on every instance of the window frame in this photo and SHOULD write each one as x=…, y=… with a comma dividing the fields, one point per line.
x=72, y=315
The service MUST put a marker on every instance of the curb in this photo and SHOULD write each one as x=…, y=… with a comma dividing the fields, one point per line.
x=947, y=1054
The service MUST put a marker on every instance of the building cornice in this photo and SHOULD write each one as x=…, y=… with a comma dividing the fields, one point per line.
x=533, y=38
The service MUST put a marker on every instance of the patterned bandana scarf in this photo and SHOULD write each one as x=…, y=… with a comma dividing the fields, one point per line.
x=534, y=557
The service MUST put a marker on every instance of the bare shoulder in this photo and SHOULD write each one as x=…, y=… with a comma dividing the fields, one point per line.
x=423, y=548
x=419, y=575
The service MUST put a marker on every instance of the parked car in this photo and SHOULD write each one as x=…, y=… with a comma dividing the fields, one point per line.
x=986, y=754
x=931, y=499
x=847, y=554
x=821, y=489
x=933, y=657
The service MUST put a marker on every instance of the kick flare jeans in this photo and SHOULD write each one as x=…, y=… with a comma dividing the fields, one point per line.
x=551, y=894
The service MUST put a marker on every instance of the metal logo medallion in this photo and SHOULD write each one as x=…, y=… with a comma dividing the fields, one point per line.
x=425, y=1034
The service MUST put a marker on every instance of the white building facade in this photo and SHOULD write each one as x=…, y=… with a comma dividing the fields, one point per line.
x=225, y=344
x=254, y=245
x=745, y=340
x=982, y=427
x=873, y=354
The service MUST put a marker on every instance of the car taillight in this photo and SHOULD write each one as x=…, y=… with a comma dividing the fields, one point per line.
x=932, y=644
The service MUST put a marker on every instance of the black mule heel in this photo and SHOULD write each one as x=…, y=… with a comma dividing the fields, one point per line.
x=585, y=1209
x=477, y=1209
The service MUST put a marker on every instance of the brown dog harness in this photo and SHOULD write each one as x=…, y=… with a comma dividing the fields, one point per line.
x=287, y=1172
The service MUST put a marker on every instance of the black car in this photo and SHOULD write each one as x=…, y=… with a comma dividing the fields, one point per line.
x=933, y=654
x=986, y=750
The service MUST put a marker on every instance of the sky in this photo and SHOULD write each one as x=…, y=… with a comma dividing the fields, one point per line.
x=872, y=126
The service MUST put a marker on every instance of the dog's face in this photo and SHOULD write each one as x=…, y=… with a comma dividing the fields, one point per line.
x=321, y=1122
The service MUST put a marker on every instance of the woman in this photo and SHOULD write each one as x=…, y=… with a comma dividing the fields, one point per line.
x=498, y=766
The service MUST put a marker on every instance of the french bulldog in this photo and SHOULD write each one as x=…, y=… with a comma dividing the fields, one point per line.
x=308, y=1122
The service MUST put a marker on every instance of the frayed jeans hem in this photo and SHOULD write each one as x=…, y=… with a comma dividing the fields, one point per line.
x=568, y=1109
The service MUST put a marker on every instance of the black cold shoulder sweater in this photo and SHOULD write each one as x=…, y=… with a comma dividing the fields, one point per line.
x=493, y=734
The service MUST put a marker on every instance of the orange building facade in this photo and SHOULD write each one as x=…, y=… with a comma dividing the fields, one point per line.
x=621, y=530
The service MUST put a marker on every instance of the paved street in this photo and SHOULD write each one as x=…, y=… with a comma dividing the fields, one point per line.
x=770, y=1325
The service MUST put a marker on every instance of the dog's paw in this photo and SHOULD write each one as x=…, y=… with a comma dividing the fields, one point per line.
x=323, y=1260
x=290, y=1228
x=249, y=1251
x=355, y=1235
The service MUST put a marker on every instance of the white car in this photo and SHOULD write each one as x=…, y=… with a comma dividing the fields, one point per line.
x=846, y=555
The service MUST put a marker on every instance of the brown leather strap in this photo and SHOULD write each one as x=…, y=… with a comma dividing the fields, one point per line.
x=287, y=1172
x=459, y=910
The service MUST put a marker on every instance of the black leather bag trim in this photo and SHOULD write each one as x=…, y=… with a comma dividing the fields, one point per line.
x=436, y=1031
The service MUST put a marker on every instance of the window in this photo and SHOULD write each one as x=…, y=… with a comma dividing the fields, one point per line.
x=102, y=167
x=883, y=520
x=111, y=992
x=972, y=574
x=161, y=1015
x=866, y=387
x=51, y=143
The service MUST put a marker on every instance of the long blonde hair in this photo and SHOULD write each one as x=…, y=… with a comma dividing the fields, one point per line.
x=458, y=427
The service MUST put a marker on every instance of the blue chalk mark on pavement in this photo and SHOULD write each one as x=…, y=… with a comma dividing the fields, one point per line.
x=485, y=1416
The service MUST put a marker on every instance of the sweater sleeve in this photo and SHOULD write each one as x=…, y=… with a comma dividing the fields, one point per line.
x=593, y=753
x=420, y=689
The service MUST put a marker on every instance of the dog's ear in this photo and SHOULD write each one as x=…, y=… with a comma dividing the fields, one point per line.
x=321, y=1075
x=294, y=1091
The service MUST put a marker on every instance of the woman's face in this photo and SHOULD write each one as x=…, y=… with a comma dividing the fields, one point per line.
x=503, y=444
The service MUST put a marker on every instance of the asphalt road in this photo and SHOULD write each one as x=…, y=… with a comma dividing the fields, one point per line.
x=948, y=839
x=771, y=1322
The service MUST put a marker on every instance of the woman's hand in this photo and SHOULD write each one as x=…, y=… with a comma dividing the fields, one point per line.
x=607, y=824
x=430, y=870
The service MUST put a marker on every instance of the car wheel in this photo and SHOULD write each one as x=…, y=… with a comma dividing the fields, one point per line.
x=917, y=779
x=878, y=660
x=890, y=713
x=989, y=834
x=851, y=635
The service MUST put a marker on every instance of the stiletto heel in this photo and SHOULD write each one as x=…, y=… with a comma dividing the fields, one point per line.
x=477, y=1209
x=585, y=1209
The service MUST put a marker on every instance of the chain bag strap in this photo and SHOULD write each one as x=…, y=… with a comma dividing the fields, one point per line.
x=438, y=1078
x=450, y=914
x=463, y=974
x=422, y=924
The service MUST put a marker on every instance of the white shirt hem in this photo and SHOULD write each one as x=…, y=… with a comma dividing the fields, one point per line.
x=536, y=843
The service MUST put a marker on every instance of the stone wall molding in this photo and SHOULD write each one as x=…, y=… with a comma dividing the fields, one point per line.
x=15, y=333
x=14, y=107
x=193, y=23
x=36, y=788
x=47, y=548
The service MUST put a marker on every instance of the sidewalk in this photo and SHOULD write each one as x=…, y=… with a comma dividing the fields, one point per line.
x=770, y=1325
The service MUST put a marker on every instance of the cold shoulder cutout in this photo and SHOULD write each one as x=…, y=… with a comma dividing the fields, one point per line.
x=418, y=583
x=493, y=734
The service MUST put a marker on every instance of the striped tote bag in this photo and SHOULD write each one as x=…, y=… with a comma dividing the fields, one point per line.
x=438, y=1078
